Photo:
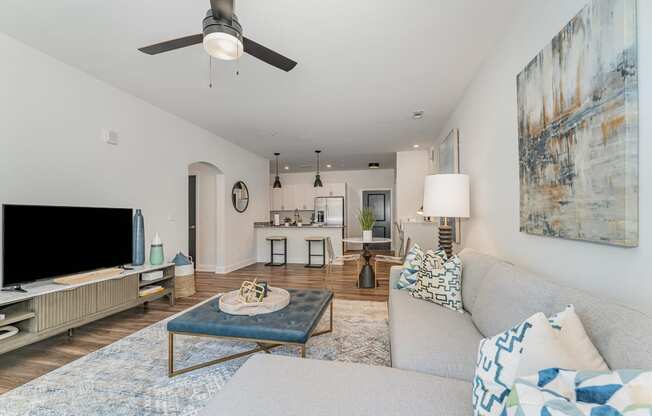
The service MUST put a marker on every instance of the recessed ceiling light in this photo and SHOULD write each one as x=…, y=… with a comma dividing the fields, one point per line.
x=286, y=167
x=374, y=165
x=418, y=115
x=416, y=146
x=329, y=166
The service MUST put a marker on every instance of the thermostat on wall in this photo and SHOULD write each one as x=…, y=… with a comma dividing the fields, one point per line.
x=110, y=137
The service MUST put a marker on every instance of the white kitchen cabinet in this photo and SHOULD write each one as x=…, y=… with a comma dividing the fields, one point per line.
x=288, y=200
x=331, y=189
x=304, y=197
x=277, y=199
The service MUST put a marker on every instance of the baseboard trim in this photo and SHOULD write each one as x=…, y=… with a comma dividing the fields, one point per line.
x=205, y=268
x=235, y=266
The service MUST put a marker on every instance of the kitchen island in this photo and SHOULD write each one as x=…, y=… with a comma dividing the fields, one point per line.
x=297, y=245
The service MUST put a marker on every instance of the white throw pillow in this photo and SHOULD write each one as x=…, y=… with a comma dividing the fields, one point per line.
x=572, y=334
x=440, y=281
x=534, y=345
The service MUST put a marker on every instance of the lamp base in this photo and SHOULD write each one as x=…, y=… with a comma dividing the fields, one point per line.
x=446, y=239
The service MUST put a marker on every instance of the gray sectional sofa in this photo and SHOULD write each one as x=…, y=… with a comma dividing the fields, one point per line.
x=433, y=350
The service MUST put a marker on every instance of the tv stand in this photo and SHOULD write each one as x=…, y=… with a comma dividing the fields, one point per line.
x=17, y=288
x=44, y=309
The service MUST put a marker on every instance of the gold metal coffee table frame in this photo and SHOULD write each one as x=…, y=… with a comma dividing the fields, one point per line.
x=263, y=345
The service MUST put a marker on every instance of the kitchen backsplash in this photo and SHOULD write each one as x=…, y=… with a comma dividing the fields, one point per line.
x=305, y=215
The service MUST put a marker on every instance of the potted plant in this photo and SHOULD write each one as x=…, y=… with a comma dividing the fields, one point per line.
x=367, y=221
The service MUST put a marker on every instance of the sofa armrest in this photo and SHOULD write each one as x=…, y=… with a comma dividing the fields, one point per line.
x=394, y=274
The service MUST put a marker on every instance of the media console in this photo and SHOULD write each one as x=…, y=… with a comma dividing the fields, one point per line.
x=49, y=309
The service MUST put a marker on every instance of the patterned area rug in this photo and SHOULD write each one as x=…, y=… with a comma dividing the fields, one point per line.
x=129, y=377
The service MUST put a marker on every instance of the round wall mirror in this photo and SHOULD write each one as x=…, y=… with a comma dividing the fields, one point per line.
x=240, y=196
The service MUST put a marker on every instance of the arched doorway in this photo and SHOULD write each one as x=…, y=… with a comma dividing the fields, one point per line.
x=206, y=216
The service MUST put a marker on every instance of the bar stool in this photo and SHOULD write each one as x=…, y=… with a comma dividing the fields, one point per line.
x=271, y=240
x=321, y=240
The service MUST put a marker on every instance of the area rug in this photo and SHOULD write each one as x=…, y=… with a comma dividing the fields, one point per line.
x=129, y=377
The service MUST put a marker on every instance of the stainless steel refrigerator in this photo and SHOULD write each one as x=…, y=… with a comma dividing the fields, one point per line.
x=329, y=210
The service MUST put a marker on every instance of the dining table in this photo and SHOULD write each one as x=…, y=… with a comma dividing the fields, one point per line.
x=367, y=276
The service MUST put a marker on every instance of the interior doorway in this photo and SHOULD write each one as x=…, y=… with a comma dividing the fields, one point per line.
x=192, y=216
x=205, y=216
x=380, y=203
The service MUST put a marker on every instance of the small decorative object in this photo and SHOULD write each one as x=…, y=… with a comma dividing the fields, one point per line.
x=277, y=299
x=184, y=276
x=8, y=331
x=367, y=221
x=138, y=248
x=578, y=131
x=449, y=162
x=265, y=287
x=156, y=251
x=446, y=196
x=240, y=196
x=252, y=292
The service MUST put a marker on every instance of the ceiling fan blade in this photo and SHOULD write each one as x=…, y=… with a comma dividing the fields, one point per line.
x=171, y=45
x=267, y=55
x=223, y=8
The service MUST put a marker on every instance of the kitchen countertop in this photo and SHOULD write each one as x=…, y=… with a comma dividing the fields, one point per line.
x=259, y=225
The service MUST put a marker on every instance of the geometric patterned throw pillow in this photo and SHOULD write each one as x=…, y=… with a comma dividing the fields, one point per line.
x=413, y=261
x=497, y=365
x=440, y=281
x=536, y=344
x=563, y=392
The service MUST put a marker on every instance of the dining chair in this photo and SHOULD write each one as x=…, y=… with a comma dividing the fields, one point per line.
x=400, y=259
x=344, y=258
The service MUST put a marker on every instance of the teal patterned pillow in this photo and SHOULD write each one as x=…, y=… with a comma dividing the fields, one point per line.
x=413, y=261
x=557, y=392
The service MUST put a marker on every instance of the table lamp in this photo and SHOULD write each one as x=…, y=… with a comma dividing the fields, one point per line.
x=445, y=196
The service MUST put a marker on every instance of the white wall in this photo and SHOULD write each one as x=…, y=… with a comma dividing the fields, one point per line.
x=51, y=116
x=206, y=220
x=487, y=119
x=411, y=169
x=356, y=182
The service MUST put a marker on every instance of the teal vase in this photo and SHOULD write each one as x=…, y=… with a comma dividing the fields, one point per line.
x=156, y=255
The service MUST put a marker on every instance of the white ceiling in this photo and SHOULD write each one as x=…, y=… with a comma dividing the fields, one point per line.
x=364, y=67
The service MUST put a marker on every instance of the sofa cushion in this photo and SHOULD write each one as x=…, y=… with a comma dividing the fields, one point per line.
x=508, y=295
x=283, y=386
x=428, y=338
x=476, y=266
x=621, y=334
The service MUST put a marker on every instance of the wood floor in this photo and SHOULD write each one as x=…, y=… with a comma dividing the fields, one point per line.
x=27, y=363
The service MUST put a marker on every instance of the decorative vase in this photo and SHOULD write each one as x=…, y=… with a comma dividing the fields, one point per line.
x=156, y=251
x=138, y=246
x=367, y=235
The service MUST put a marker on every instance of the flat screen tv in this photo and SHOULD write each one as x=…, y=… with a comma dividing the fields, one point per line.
x=42, y=242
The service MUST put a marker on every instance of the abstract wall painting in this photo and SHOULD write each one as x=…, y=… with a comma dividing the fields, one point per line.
x=578, y=130
x=449, y=162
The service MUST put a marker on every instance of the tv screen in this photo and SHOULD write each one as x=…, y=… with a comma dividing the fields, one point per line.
x=41, y=242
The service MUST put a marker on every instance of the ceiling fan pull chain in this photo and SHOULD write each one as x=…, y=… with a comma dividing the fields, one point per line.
x=237, y=62
x=210, y=71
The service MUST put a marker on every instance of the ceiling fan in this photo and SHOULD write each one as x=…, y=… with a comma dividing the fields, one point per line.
x=222, y=39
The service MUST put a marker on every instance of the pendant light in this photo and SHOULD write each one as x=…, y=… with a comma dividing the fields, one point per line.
x=318, y=183
x=277, y=180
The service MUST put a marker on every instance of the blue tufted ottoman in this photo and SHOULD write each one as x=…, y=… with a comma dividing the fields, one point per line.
x=293, y=325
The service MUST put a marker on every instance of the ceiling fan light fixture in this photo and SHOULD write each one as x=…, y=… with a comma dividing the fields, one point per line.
x=223, y=37
x=222, y=45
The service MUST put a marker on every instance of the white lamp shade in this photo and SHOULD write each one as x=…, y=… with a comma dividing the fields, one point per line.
x=446, y=195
